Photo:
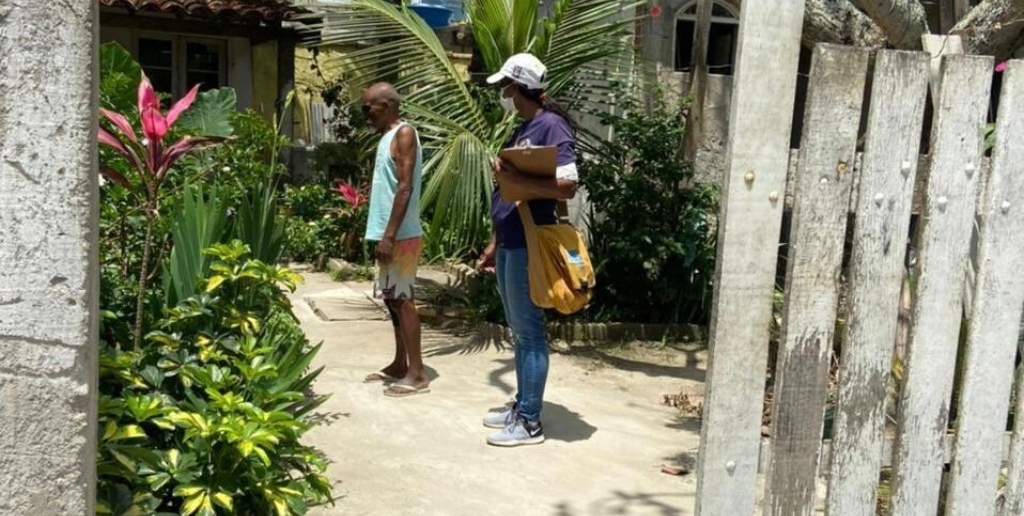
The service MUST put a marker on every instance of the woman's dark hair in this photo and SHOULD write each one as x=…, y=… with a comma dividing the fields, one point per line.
x=545, y=102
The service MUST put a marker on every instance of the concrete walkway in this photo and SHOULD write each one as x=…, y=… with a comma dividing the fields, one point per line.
x=608, y=434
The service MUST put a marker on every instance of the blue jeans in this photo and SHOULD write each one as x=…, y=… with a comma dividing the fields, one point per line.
x=527, y=322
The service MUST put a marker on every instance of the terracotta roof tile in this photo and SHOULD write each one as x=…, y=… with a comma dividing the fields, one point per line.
x=262, y=10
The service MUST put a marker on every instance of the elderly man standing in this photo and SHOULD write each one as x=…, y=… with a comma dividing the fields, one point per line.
x=394, y=223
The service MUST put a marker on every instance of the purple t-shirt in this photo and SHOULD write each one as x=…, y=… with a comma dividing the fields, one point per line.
x=545, y=129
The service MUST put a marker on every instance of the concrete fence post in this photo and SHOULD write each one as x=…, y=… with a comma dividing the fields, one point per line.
x=49, y=273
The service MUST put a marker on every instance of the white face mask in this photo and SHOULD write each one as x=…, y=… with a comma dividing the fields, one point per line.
x=507, y=103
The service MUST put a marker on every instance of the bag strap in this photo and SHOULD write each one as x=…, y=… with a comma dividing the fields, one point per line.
x=561, y=213
x=526, y=215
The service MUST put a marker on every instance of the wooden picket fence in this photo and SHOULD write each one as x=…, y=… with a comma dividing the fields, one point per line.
x=932, y=466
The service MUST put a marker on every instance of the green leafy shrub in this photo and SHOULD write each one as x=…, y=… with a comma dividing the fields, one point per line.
x=326, y=222
x=204, y=375
x=652, y=231
x=205, y=417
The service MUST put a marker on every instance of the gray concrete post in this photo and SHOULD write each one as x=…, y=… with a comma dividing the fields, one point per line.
x=48, y=257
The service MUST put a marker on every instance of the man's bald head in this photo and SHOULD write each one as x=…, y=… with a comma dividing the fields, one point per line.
x=380, y=106
x=381, y=92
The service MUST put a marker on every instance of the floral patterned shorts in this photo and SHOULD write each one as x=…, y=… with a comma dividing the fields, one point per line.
x=397, y=279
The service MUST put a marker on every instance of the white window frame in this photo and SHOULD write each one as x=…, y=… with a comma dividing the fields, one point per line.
x=683, y=15
x=179, y=63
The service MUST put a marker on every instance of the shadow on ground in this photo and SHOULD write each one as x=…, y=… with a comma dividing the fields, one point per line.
x=464, y=340
x=685, y=423
x=560, y=423
x=685, y=371
x=623, y=503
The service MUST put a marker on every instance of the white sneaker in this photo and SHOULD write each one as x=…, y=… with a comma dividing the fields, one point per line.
x=501, y=419
x=518, y=433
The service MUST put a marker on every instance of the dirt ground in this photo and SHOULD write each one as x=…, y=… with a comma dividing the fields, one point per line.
x=608, y=432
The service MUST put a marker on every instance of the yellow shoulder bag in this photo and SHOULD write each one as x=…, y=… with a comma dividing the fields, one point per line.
x=560, y=272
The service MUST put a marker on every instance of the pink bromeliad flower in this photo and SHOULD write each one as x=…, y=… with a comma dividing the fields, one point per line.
x=150, y=156
x=351, y=194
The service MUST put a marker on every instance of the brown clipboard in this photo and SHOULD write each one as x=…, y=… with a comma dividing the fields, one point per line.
x=532, y=161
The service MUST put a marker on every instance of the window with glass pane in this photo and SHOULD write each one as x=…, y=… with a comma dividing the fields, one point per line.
x=203, y=64
x=156, y=56
x=722, y=38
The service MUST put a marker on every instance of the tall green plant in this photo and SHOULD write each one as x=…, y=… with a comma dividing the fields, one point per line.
x=198, y=223
x=152, y=159
x=459, y=141
x=258, y=223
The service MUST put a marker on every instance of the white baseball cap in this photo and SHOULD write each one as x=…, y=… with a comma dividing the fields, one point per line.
x=524, y=69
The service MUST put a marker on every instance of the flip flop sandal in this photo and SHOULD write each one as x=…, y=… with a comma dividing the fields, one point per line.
x=398, y=390
x=379, y=377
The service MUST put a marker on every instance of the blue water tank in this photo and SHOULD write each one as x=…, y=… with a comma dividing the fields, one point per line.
x=456, y=6
x=436, y=16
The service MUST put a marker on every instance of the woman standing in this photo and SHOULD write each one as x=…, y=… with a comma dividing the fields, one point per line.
x=521, y=83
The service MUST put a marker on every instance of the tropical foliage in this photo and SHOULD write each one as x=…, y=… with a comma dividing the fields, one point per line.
x=152, y=160
x=326, y=222
x=205, y=417
x=204, y=375
x=582, y=42
x=652, y=234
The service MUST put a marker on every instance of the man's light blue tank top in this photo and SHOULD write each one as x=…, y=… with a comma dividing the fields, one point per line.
x=385, y=184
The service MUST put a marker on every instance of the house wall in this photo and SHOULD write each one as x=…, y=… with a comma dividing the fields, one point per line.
x=264, y=78
x=659, y=34
x=49, y=272
x=658, y=47
x=239, y=66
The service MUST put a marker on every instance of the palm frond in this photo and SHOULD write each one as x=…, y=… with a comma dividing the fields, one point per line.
x=502, y=28
x=586, y=44
x=587, y=35
x=397, y=44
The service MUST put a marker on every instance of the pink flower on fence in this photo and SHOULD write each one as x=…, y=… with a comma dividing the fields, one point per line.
x=1001, y=67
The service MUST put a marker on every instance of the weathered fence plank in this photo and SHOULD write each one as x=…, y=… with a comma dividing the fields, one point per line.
x=1014, y=492
x=824, y=182
x=887, y=179
x=991, y=340
x=995, y=315
x=938, y=46
x=931, y=355
x=751, y=214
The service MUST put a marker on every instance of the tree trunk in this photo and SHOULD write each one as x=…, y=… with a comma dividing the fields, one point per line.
x=902, y=21
x=699, y=80
x=838, y=21
x=992, y=27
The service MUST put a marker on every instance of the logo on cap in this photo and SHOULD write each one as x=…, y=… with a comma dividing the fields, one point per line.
x=517, y=71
